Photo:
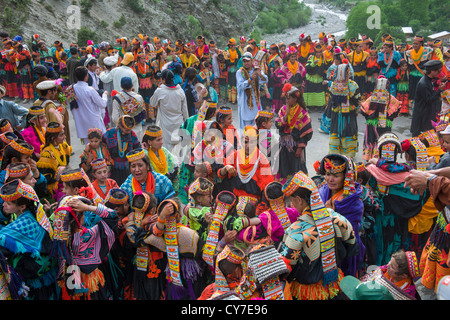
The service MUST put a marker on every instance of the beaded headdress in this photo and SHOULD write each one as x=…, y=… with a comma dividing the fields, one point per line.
x=234, y=256
x=24, y=190
x=112, y=196
x=99, y=163
x=267, y=265
x=135, y=155
x=123, y=122
x=413, y=265
x=54, y=129
x=156, y=133
x=220, y=213
x=195, y=187
x=95, y=130
x=139, y=213
x=265, y=114
x=278, y=206
x=36, y=111
x=389, y=137
x=421, y=154
x=17, y=170
x=322, y=221
x=8, y=137
x=172, y=249
x=6, y=127
x=330, y=167
x=242, y=203
x=23, y=150
x=74, y=175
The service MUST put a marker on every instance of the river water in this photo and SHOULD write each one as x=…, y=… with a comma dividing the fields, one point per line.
x=324, y=18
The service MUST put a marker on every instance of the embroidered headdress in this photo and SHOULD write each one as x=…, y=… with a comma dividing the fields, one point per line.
x=135, y=155
x=220, y=213
x=117, y=196
x=21, y=189
x=323, y=223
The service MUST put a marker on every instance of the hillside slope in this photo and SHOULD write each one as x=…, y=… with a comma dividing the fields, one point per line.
x=185, y=19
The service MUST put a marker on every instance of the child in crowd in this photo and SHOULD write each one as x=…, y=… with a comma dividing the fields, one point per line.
x=264, y=122
x=95, y=149
x=100, y=172
x=198, y=211
x=224, y=118
x=161, y=159
x=77, y=183
x=403, y=87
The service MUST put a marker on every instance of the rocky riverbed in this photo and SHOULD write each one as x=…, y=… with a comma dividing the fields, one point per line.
x=325, y=18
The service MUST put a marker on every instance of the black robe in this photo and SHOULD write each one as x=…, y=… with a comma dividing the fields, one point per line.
x=427, y=106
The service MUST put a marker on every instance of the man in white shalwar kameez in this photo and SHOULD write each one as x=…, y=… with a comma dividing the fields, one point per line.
x=170, y=101
x=91, y=107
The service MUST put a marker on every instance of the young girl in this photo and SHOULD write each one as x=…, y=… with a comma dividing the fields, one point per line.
x=95, y=149
x=148, y=280
x=84, y=234
x=199, y=208
x=55, y=153
x=77, y=183
x=102, y=184
x=279, y=79
x=402, y=78
x=34, y=132
x=264, y=122
x=224, y=118
x=26, y=242
x=204, y=170
x=161, y=159
x=373, y=70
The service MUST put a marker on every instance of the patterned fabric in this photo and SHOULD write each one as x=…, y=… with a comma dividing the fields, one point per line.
x=322, y=221
x=111, y=141
x=213, y=234
x=172, y=250
x=163, y=187
x=23, y=235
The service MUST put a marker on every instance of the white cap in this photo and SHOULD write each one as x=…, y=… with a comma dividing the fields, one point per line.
x=247, y=56
x=111, y=60
x=46, y=84
x=446, y=131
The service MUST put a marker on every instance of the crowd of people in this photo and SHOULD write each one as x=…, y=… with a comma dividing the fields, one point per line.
x=172, y=201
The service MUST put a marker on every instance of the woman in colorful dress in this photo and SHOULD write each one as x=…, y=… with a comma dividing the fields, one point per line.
x=358, y=59
x=95, y=149
x=146, y=75
x=397, y=203
x=55, y=153
x=316, y=67
x=84, y=236
x=294, y=70
x=26, y=242
x=162, y=160
x=316, y=270
x=120, y=140
x=34, y=132
x=296, y=130
x=344, y=105
x=416, y=58
x=389, y=61
x=232, y=57
x=380, y=110
x=143, y=179
x=342, y=194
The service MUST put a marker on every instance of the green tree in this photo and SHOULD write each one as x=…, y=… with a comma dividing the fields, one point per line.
x=85, y=34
